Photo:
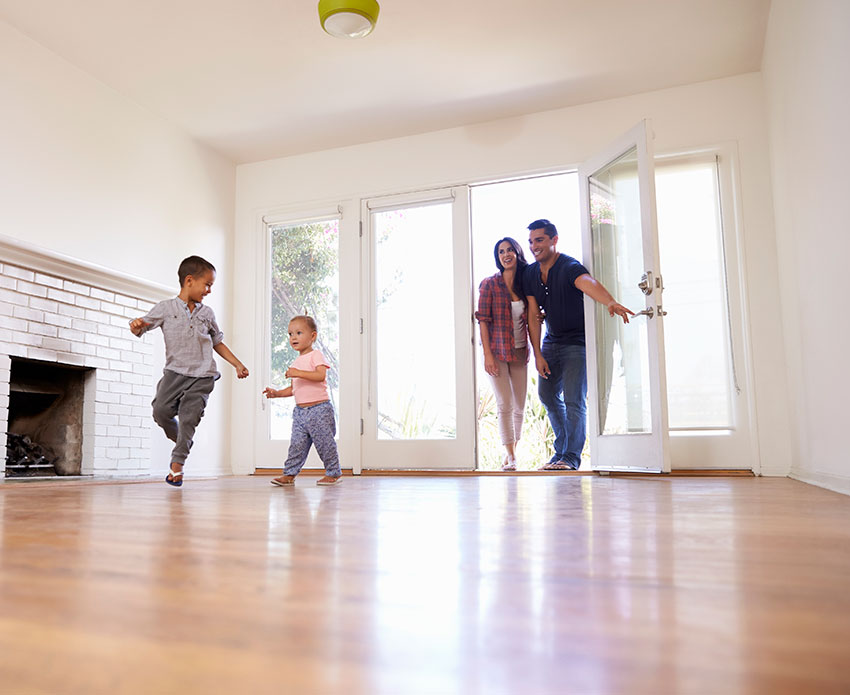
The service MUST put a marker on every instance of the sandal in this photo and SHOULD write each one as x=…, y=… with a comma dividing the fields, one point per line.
x=556, y=466
x=176, y=479
x=509, y=464
x=284, y=481
x=327, y=480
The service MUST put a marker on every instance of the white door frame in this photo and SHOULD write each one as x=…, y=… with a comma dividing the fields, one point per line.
x=421, y=454
x=738, y=447
x=269, y=453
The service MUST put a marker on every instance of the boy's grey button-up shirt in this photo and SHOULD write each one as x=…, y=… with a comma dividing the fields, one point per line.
x=189, y=338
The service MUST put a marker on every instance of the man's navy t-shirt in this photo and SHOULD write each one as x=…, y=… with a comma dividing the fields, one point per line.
x=562, y=301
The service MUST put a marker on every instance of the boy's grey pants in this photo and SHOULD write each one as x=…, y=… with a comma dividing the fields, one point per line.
x=178, y=408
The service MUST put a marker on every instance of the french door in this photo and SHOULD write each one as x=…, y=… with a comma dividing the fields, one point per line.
x=417, y=410
x=300, y=275
x=627, y=393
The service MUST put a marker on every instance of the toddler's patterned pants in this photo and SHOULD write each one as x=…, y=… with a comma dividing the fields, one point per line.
x=314, y=424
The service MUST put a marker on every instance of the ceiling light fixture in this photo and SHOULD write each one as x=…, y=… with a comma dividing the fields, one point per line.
x=348, y=19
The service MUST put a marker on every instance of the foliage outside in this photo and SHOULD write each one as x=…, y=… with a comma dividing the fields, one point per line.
x=536, y=445
x=601, y=209
x=304, y=280
x=415, y=419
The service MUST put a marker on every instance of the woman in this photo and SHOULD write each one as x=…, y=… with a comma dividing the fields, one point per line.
x=502, y=316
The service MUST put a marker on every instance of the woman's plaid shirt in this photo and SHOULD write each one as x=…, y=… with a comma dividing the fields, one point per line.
x=494, y=309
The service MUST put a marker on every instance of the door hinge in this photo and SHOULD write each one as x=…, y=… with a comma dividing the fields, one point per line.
x=361, y=229
x=361, y=426
x=361, y=326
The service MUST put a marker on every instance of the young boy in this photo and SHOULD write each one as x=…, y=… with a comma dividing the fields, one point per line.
x=191, y=334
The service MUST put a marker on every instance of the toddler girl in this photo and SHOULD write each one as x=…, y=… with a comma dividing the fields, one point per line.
x=313, y=416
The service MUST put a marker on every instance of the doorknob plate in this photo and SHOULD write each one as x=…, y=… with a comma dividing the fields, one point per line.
x=645, y=283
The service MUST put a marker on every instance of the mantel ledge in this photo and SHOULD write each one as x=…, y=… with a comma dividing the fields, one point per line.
x=42, y=260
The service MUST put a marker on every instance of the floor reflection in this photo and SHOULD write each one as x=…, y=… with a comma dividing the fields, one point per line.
x=426, y=585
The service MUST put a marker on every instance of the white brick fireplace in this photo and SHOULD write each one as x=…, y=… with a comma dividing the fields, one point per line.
x=57, y=309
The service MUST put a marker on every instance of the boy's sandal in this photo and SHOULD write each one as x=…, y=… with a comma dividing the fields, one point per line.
x=283, y=481
x=327, y=480
x=176, y=478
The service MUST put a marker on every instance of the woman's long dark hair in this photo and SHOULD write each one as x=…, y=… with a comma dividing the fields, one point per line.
x=521, y=265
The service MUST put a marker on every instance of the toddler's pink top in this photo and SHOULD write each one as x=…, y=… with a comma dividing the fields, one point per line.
x=304, y=390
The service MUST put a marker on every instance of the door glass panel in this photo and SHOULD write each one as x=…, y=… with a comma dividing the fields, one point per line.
x=696, y=332
x=414, y=321
x=304, y=280
x=622, y=349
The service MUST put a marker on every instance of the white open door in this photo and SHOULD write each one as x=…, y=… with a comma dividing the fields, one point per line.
x=627, y=391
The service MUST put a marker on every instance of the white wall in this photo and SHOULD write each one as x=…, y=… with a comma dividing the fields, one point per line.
x=87, y=173
x=695, y=115
x=807, y=82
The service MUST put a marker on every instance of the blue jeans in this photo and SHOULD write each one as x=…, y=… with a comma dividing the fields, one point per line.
x=563, y=395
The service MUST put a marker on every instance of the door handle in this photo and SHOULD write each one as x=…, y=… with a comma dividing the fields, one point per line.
x=650, y=312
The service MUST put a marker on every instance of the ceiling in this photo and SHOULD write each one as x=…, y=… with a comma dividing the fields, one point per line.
x=259, y=79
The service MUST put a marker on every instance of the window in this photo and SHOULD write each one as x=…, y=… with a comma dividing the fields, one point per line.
x=696, y=329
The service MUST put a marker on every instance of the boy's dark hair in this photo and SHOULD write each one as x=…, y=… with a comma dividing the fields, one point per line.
x=546, y=226
x=193, y=265
x=311, y=323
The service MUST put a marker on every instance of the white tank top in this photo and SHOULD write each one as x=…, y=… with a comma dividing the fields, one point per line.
x=519, y=324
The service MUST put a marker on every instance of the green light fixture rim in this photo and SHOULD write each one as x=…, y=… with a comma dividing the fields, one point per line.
x=366, y=8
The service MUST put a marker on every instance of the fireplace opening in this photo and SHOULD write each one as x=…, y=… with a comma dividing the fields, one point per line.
x=45, y=429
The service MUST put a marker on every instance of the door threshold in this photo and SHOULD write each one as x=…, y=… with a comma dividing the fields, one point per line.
x=435, y=473
x=687, y=473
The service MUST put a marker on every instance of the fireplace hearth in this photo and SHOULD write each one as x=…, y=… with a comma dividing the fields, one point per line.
x=45, y=430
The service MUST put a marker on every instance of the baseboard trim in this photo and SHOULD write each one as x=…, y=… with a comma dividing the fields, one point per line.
x=836, y=483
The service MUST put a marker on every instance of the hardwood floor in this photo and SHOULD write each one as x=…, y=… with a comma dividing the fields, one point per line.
x=425, y=585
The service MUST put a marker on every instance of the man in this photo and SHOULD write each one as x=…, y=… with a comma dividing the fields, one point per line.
x=555, y=286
